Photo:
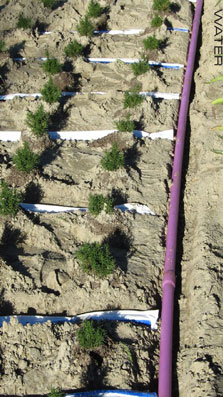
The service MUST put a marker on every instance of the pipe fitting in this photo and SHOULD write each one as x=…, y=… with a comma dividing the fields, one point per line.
x=169, y=278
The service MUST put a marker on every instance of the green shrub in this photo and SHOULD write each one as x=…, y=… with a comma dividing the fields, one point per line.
x=152, y=43
x=95, y=258
x=85, y=27
x=140, y=67
x=49, y=3
x=161, y=5
x=2, y=46
x=156, y=21
x=113, y=159
x=9, y=200
x=23, y=23
x=89, y=336
x=74, y=49
x=55, y=393
x=25, y=160
x=133, y=98
x=38, y=122
x=97, y=202
x=94, y=9
x=50, y=92
x=51, y=65
x=125, y=125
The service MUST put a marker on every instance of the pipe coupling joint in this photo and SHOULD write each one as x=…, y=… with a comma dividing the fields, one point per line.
x=169, y=278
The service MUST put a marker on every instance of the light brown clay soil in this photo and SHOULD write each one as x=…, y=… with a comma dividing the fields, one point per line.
x=39, y=271
x=200, y=363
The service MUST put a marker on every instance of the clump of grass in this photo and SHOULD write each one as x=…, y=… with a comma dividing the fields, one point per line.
x=161, y=5
x=74, y=49
x=55, y=393
x=94, y=9
x=95, y=258
x=156, y=22
x=50, y=92
x=51, y=65
x=140, y=67
x=25, y=160
x=49, y=3
x=89, y=336
x=38, y=121
x=113, y=159
x=9, y=200
x=2, y=46
x=97, y=202
x=125, y=125
x=85, y=27
x=23, y=22
x=152, y=43
x=133, y=98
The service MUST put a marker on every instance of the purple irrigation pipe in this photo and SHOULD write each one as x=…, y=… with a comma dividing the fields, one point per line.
x=166, y=339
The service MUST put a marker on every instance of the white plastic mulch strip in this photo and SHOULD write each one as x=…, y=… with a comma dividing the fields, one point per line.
x=53, y=209
x=178, y=29
x=135, y=60
x=111, y=393
x=97, y=134
x=12, y=136
x=162, y=95
x=147, y=317
x=114, y=32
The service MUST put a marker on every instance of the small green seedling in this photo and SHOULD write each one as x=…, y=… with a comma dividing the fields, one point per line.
x=161, y=5
x=85, y=27
x=140, y=67
x=51, y=65
x=125, y=125
x=55, y=393
x=95, y=258
x=94, y=9
x=2, y=46
x=113, y=159
x=217, y=128
x=89, y=336
x=152, y=43
x=218, y=101
x=23, y=23
x=127, y=351
x=133, y=98
x=156, y=22
x=38, y=121
x=97, y=202
x=9, y=200
x=49, y=3
x=25, y=160
x=50, y=92
x=74, y=49
x=216, y=151
x=218, y=78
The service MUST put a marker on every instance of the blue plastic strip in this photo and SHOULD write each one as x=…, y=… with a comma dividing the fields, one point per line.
x=178, y=29
x=99, y=393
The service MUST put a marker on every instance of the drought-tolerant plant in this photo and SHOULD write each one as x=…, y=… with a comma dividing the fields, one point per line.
x=51, y=65
x=94, y=9
x=50, y=92
x=25, y=160
x=113, y=159
x=152, y=43
x=38, y=121
x=2, y=46
x=49, y=3
x=23, y=22
x=95, y=258
x=161, y=5
x=140, y=67
x=89, y=336
x=9, y=200
x=133, y=98
x=74, y=49
x=125, y=125
x=97, y=202
x=156, y=22
x=85, y=27
x=55, y=393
